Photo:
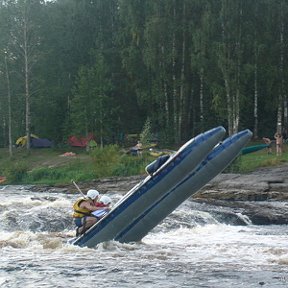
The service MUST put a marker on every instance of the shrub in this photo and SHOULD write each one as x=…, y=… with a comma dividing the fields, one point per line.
x=105, y=159
x=16, y=172
x=44, y=173
x=146, y=134
x=130, y=165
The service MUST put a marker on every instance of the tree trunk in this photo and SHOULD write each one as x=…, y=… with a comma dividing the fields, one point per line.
x=174, y=92
x=182, y=85
x=165, y=91
x=256, y=95
x=236, y=102
x=201, y=99
x=281, y=92
x=229, y=104
x=255, y=130
x=231, y=68
x=27, y=92
x=224, y=59
x=9, y=108
x=166, y=105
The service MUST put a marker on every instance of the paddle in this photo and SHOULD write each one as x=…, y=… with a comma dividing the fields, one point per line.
x=78, y=189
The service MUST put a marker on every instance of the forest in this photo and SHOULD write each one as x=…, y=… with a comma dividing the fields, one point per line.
x=112, y=67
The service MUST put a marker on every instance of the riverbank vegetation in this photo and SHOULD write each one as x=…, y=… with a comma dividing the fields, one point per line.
x=250, y=162
x=54, y=166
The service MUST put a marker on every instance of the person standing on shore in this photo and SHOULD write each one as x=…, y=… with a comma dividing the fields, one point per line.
x=268, y=142
x=279, y=143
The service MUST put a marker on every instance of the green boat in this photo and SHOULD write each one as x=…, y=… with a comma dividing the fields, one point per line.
x=254, y=148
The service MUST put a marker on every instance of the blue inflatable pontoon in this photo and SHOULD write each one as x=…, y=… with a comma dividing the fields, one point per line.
x=183, y=174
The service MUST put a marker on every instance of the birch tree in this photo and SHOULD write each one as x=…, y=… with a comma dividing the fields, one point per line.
x=282, y=96
x=201, y=35
x=230, y=59
x=24, y=43
x=9, y=105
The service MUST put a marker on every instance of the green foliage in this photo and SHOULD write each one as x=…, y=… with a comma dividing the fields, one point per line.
x=132, y=165
x=146, y=134
x=92, y=109
x=105, y=159
x=252, y=161
x=47, y=167
x=16, y=172
x=109, y=161
x=44, y=173
x=110, y=65
x=76, y=171
x=106, y=162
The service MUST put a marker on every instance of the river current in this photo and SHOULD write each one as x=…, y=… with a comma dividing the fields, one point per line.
x=188, y=249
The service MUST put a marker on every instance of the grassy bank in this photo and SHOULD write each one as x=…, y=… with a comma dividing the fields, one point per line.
x=250, y=162
x=56, y=166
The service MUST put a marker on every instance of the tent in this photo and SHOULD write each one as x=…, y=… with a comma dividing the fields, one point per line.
x=41, y=143
x=81, y=141
x=35, y=142
x=21, y=141
x=92, y=144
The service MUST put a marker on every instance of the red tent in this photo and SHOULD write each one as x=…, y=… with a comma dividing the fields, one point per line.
x=80, y=141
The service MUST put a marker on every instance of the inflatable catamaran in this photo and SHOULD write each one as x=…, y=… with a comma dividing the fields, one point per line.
x=183, y=174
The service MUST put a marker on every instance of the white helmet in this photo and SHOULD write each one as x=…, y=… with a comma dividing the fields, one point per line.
x=106, y=200
x=92, y=194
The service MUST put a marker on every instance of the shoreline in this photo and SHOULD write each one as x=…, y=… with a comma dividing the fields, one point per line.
x=261, y=195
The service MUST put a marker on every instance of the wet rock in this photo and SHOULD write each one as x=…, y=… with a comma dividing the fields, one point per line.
x=262, y=180
x=259, y=213
x=114, y=184
x=261, y=195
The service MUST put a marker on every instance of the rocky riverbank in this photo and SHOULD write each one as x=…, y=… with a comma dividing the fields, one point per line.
x=261, y=195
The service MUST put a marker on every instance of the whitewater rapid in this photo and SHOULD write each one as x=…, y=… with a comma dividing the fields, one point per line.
x=189, y=249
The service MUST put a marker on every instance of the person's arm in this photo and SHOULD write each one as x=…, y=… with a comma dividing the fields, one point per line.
x=91, y=207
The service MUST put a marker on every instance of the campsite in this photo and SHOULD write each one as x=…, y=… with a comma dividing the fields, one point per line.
x=57, y=166
x=35, y=142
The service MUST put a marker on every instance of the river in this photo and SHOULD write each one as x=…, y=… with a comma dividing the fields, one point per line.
x=189, y=249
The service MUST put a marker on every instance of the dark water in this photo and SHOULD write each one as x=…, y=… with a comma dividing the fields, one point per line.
x=189, y=249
